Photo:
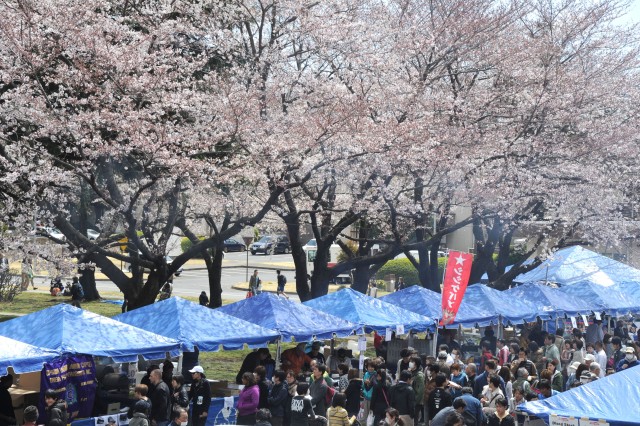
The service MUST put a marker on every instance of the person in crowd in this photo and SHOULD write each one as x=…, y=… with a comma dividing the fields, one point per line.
x=337, y=414
x=571, y=370
x=379, y=396
x=277, y=398
x=418, y=385
x=55, y=409
x=264, y=417
x=403, y=398
x=559, y=339
x=203, y=299
x=296, y=359
x=503, y=352
x=179, y=417
x=454, y=419
x=601, y=357
x=490, y=393
x=261, y=356
x=594, y=369
x=343, y=377
x=485, y=353
x=457, y=381
x=518, y=398
x=7, y=414
x=77, y=292
x=439, y=398
x=550, y=350
x=545, y=390
x=403, y=362
x=160, y=400
x=180, y=395
x=318, y=389
x=301, y=407
x=514, y=350
x=392, y=418
x=473, y=413
x=261, y=379
x=353, y=392
x=489, y=336
x=292, y=385
x=483, y=379
x=255, y=284
x=30, y=415
x=501, y=417
x=200, y=396
x=340, y=357
x=315, y=353
x=471, y=372
x=458, y=406
x=618, y=353
x=536, y=355
x=566, y=355
x=621, y=330
x=557, y=381
x=167, y=372
x=326, y=376
x=400, y=284
x=630, y=359
x=505, y=374
x=524, y=362
x=368, y=382
x=281, y=282
x=522, y=381
x=146, y=379
x=594, y=332
x=248, y=400
x=142, y=404
x=27, y=275
x=578, y=351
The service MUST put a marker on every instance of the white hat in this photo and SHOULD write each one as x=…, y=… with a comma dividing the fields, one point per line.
x=197, y=369
x=589, y=357
x=574, y=365
x=629, y=350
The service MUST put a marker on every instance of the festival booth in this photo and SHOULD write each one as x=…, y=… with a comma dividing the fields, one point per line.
x=612, y=400
x=370, y=313
x=577, y=264
x=551, y=303
x=79, y=336
x=608, y=299
x=496, y=307
x=290, y=319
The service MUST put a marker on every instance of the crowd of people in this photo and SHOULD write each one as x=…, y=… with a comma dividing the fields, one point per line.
x=436, y=391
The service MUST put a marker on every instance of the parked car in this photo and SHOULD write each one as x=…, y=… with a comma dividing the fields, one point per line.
x=233, y=245
x=53, y=232
x=311, y=245
x=169, y=259
x=92, y=234
x=271, y=244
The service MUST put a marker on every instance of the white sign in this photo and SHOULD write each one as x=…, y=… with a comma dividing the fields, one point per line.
x=555, y=420
x=597, y=315
x=362, y=343
x=399, y=329
x=387, y=335
x=574, y=322
x=585, y=319
x=587, y=422
x=361, y=361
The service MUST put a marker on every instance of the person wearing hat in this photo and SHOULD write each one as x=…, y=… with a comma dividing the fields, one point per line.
x=200, y=396
x=630, y=359
x=316, y=354
x=572, y=373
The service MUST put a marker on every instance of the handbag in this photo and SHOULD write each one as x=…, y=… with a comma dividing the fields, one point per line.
x=249, y=294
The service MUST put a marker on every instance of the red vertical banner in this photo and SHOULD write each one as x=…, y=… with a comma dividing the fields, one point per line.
x=456, y=278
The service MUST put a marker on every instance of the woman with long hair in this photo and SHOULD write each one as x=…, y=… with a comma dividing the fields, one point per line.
x=248, y=400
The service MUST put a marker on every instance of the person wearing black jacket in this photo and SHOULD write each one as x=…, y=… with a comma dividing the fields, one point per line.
x=200, y=396
x=56, y=409
x=278, y=397
x=180, y=394
x=353, y=392
x=160, y=400
x=301, y=407
x=380, y=397
x=261, y=380
x=403, y=398
x=7, y=414
x=439, y=398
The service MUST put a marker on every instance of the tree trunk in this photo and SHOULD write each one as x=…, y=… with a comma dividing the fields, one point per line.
x=292, y=220
x=361, y=277
x=88, y=281
x=214, y=270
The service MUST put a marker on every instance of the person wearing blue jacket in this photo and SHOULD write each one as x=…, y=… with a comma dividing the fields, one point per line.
x=473, y=411
x=630, y=359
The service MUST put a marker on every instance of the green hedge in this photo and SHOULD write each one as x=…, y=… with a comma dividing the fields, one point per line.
x=185, y=244
x=404, y=268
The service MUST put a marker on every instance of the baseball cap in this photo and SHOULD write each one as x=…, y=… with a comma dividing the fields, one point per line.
x=197, y=369
x=589, y=357
x=629, y=350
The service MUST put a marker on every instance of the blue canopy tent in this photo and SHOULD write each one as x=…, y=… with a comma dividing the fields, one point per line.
x=631, y=289
x=612, y=399
x=602, y=299
x=550, y=302
x=494, y=304
x=290, y=319
x=195, y=325
x=67, y=329
x=369, y=312
x=577, y=264
x=22, y=357
x=429, y=303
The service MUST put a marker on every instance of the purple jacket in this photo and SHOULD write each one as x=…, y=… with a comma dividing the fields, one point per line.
x=248, y=400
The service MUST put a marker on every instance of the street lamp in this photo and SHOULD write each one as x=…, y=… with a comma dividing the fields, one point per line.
x=247, y=242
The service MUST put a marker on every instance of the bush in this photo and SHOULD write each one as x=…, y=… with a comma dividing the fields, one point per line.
x=185, y=244
x=9, y=285
x=404, y=268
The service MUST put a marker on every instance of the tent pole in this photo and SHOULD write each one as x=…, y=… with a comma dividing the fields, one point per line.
x=278, y=353
x=435, y=341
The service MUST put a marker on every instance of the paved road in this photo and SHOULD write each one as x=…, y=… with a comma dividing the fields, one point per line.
x=194, y=278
